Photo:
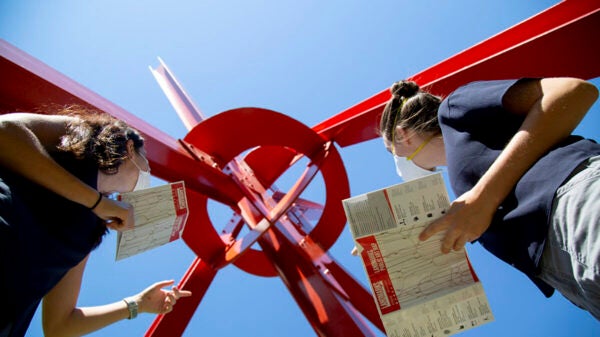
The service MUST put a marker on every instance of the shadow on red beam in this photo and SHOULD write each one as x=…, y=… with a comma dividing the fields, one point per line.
x=358, y=296
x=328, y=313
x=559, y=41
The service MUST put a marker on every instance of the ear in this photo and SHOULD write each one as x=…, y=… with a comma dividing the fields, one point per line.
x=404, y=136
x=130, y=148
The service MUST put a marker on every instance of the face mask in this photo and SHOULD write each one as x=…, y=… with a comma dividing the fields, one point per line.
x=408, y=170
x=143, y=180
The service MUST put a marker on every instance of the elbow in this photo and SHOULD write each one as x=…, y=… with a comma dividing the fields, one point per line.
x=67, y=324
x=51, y=329
x=586, y=92
x=55, y=332
x=7, y=122
x=592, y=91
x=5, y=125
x=9, y=127
x=571, y=98
x=54, y=328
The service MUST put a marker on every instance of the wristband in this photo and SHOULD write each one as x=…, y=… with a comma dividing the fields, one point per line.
x=97, y=202
x=132, y=306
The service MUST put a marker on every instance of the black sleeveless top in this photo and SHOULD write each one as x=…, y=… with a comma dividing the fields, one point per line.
x=42, y=236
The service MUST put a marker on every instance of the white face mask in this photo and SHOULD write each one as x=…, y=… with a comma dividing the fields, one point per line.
x=408, y=170
x=143, y=180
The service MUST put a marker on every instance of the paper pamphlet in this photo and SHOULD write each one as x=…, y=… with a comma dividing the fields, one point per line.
x=418, y=290
x=160, y=215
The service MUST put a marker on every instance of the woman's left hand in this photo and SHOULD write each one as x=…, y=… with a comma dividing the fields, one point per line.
x=118, y=215
x=466, y=219
x=156, y=300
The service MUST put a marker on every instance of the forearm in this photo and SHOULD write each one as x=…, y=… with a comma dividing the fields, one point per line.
x=502, y=176
x=549, y=120
x=82, y=321
x=61, y=316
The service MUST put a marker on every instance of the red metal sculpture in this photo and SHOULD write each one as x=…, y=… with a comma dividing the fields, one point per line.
x=235, y=157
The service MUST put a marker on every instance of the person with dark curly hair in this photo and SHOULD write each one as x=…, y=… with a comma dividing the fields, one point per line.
x=56, y=171
x=527, y=189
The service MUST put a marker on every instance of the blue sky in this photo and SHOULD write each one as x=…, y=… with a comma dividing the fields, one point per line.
x=307, y=59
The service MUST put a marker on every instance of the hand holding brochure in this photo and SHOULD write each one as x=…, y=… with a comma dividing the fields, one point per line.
x=418, y=290
x=160, y=215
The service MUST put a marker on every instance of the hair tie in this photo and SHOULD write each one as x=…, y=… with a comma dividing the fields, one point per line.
x=393, y=138
x=97, y=201
x=399, y=110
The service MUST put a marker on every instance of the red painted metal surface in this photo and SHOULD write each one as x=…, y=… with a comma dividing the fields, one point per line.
x=198, y=277
x=294, y=244
x=560, y=41
x=498, y=57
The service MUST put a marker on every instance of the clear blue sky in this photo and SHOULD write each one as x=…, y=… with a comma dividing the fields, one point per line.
x=308, y=59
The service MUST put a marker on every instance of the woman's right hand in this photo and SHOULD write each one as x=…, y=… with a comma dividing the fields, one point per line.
x=118, y=215
x=156, y=300
x=468, y=217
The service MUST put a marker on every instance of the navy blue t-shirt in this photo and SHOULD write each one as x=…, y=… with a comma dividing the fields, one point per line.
x=42, y=236
x=476, y=128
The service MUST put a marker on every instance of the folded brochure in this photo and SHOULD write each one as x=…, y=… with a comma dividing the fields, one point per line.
x=418, y=290
x=160, y=215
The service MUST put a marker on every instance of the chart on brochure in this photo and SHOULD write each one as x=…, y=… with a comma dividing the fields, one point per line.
x=418, y=290
x=160, y=215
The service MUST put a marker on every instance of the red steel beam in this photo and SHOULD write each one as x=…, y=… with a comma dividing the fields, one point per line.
x=560, y=41
x=320, y=292
x=198, y=277
x=328, y=313
x=563, y=31
x=28, y=83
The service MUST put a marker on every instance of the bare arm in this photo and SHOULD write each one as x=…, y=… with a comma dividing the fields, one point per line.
x=61, y=317
x=553, y=107
x=25, y=142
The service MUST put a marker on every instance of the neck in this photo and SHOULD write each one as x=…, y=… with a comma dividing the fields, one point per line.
x=432, y=155
x=438, y=151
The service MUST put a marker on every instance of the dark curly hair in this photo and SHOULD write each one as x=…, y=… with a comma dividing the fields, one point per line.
x=410, y=108
x=98, y=137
